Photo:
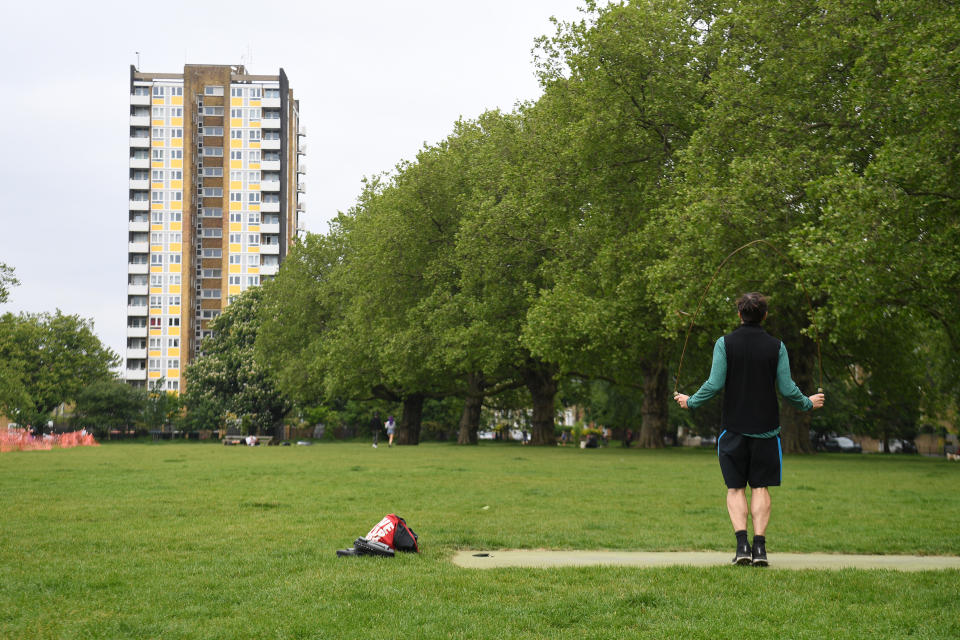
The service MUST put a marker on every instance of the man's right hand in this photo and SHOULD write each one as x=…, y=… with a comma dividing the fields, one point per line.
x=817, y=400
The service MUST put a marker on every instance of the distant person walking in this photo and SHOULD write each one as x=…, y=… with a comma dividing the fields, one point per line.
x=391, y=428
x=750, y=365
x=375, y=428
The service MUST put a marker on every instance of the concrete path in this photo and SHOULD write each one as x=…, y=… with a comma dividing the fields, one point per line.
x=539, y=559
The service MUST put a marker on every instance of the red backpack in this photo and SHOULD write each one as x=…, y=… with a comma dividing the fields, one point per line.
x=394, y=532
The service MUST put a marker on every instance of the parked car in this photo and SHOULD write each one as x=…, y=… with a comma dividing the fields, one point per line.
x=841, y=444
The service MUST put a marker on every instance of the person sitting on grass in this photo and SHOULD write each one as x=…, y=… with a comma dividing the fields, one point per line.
x=751, y=365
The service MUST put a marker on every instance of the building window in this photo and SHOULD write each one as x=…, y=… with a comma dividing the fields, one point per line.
x=155, y=343
x=234, y=258
x=234, y=280
x=173, y=301
x=176, y=216
x=253, y=197
x=176, y=154
x=253, y=239
x=213, y=131
x=236, y=134
x=211, y=273
x=212, y=232
x=212, y=212
x=236, y=216
x=176, y=91
x=213, y=192
x=213, y=152
x=213, y=90
x=154, y=364
x=157, y=196
x=173, y=322
x=213, y=172
x=155, y=321
x=213, y=111
x=236, y=155
x=210, y=293
x=236, y=196
x=253, y=217
x=173, y=364
x=156, y=258
x=173, y=385
x=254, y=135
x=156, y=280
x=253, y=281
x=174, y=258
x=158, y=91
x=213, y=253
x=235, y=238
x=253, y=260
x=271, y=93
x=236, y=92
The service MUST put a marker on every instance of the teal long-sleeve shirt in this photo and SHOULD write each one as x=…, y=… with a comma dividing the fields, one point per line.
x=718, y=378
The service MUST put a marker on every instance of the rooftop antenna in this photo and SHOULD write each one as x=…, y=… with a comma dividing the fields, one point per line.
x=138, y=60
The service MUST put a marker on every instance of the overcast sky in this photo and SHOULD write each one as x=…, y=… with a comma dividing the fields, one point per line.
x=375, y=80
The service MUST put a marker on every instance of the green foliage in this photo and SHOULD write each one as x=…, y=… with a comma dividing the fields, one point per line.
x=109, y=404
x=228, y=380
x=48, y=359
x=7, y=280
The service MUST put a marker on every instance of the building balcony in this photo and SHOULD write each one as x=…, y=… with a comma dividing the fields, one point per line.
x=136, y=354
x=139, y=205
x=138, y=247
x=302, y=149
x=138, y=268
x=141, y=101
x=270, y=249
x=301, y=168
x=301, y=206
x=301, y=187
x=139, y=121
x=138, y=289
x=139, y=163
x=270, y=103
x=270, y=144
x=135, y=374
x=270, y=123
x=137, y=311
x=270, y=165
x=140, y=143
x=269, y=269
x=139, y=184
x=136, y=332
x=269, y=207
x=138, y=225
x=301, y=130
x=270, y=185
x=270, y=228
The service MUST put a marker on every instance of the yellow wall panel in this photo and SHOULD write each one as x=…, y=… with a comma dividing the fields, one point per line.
x=173, y=373
x=255, y=124
x=158, y=101
x=173, y=353
x=236, y=102
x=156, y=205
x=253, y=270
x=235, y=248
x=177, y=100
x=235, y=268
x=154, y=374
x=156, y=248
x=176, y=122
x=234, y=289
x=174, y=268
x=176, y=205
x=254, y=165
x=156, y=290
x=236, y=123
x=156, y=312
x=157, y=165
x=156, y=143
x=236, y=226
x=155, y=354
x=254, y=102
x=176, y=226
x=254, y=187
x=236, y=164
x=156, y=227
x=176, y=164
x=236, y=185
x=235, y=206
x=174, y=288
x=236, y=143
x=254, y=207
x=156, y=269
x=173, y=310
x=175, y=246
x=176, y=142
x=157, y=123
x=176, y=184
x=173, y=331
x=156, y=332
x=156, y=185
x=254, y=145
x=253, y=249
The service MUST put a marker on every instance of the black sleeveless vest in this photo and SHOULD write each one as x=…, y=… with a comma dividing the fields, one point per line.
x=750, y=398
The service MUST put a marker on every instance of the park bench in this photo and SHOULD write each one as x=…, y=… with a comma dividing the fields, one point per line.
x=235, y=440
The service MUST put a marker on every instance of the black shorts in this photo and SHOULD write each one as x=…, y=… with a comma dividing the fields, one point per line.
x=754, y=461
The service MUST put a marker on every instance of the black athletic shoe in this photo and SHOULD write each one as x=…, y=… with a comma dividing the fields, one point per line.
x=759, y=554
x=743, y=557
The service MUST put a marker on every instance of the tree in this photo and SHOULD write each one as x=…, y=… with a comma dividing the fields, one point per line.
x=624, y=92
x=108, y=404
x=227, y=378
x=49, y=358
x=7, y=280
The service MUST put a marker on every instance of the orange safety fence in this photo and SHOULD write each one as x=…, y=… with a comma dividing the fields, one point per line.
x=21, y=440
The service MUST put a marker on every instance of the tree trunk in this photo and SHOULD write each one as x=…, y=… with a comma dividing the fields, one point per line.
x=654, y=409
x=470, y=418
x=795, y=432
x=542, y=384
x=408, y=431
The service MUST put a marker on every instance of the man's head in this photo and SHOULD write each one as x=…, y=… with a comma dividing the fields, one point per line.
x=752, y=307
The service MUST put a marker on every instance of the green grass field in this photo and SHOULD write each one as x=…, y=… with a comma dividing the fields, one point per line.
x=179, y=540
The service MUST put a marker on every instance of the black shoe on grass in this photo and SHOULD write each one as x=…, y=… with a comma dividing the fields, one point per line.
x=759, y=554
x=743, y=557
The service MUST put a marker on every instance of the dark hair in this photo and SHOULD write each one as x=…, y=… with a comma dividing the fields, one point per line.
x=752, y=307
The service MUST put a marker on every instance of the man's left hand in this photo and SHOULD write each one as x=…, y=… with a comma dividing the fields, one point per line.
x=681, y=400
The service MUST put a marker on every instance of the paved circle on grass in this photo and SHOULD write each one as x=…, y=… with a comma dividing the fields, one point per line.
x=540, y=559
